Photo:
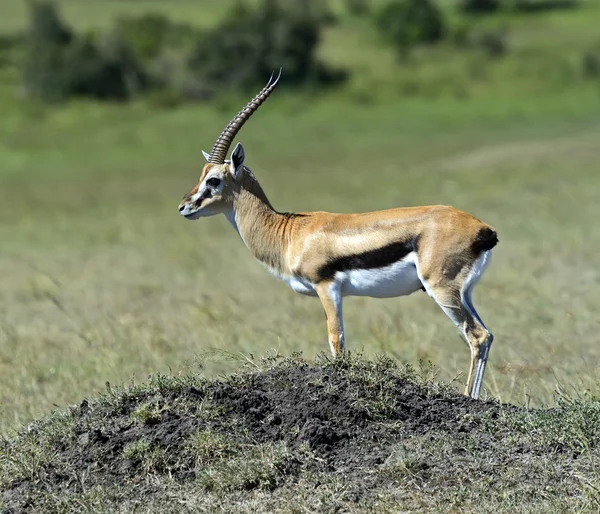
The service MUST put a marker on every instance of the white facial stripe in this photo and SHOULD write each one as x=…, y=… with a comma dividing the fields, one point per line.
x=203, y=187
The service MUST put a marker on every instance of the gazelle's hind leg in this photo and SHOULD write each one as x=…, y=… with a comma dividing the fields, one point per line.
x=478, y=360
x=454, y=297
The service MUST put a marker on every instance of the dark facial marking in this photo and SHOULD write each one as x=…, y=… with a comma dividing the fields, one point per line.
x=207, y=194
x=379, y=258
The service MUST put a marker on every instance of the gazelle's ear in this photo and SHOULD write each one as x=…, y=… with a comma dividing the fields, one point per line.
x=237, y=161
x=206, y=155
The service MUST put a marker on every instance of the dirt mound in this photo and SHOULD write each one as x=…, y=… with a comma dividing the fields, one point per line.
x=327, y=407
x=375, y=425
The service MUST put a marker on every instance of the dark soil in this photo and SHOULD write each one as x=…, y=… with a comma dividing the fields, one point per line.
x=376, y=426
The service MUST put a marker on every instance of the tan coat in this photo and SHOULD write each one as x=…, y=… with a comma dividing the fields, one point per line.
x=395, y=252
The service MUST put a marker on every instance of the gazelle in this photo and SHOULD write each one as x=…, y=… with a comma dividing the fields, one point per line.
x=381, y=254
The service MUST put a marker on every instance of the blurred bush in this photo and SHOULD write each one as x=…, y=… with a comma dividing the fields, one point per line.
x=47, y=40
x=46, y=27
x=409, y=22
x=591, y=63
x=170, y=63
x=161, y=48
x=490, y=6
x=253, y=41
x=150, y=34
x=470, y=36
x=480, y=6
x=357, y=7
x=85, y=71
x=493, y=42
x=534, y=6
x=59, y=64
x=10, y=47
x=175, y=62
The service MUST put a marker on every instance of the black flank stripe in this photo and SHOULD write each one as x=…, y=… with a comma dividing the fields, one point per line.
x=371, y=259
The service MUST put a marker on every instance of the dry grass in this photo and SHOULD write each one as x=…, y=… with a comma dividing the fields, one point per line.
x=103, y=281
x=291, y=436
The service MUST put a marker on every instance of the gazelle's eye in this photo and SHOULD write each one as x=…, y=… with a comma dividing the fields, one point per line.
x=213, y=182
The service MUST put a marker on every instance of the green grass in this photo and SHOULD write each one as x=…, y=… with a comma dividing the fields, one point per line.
x=98, y=14
x=103, y=281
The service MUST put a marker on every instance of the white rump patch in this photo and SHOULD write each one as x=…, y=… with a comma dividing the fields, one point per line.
x=477, y=270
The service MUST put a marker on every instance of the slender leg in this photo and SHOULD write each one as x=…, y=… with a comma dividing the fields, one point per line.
x=459, y=309
x=480, y=340
x=331, y=298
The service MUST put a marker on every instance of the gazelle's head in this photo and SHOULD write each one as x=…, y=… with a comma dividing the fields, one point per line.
x=221, y=178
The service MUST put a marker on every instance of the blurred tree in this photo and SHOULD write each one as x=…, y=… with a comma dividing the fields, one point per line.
x=490, y=6
x=534, y=6
x=146, y=34
x=254, y=41
x=176, y=62
x=357, y=7
x=480, y=6
x=150, y=34
x=591, y=63
x=59, y=64
x=46, y=26
x=494, y=43
x=409, y=22
x=47, y=38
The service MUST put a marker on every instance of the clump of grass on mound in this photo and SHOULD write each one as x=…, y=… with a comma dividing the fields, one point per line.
x=295, y=436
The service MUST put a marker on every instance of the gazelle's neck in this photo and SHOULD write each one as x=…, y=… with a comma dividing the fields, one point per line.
x=262, y=229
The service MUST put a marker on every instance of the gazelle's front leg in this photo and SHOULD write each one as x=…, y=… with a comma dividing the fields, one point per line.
x=330, y=295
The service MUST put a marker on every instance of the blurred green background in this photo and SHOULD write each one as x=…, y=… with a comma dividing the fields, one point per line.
x=493, y=107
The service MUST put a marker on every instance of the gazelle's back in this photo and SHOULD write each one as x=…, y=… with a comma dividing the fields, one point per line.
x=322, y=243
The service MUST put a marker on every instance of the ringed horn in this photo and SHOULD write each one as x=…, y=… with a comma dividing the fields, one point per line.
x=223, y=142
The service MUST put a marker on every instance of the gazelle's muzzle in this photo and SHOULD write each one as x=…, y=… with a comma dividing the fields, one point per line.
x=192, y=204
x=185, y=209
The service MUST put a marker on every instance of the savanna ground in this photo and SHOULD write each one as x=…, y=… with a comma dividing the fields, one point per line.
x=292, y=436
x=102, y=281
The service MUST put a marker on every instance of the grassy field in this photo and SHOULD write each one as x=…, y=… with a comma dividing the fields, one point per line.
x=102, y=280
x=98, y=14
x=289, y=436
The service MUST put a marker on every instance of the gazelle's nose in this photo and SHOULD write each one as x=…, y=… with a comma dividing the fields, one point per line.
x=181, y=207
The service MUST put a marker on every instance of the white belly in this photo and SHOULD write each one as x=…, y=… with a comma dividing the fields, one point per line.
x=301, y=286
x=398, y=279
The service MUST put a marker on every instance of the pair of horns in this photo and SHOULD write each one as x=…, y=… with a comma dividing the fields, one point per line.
x=223, y=142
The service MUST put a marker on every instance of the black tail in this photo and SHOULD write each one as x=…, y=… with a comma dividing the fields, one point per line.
x=485, y=240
